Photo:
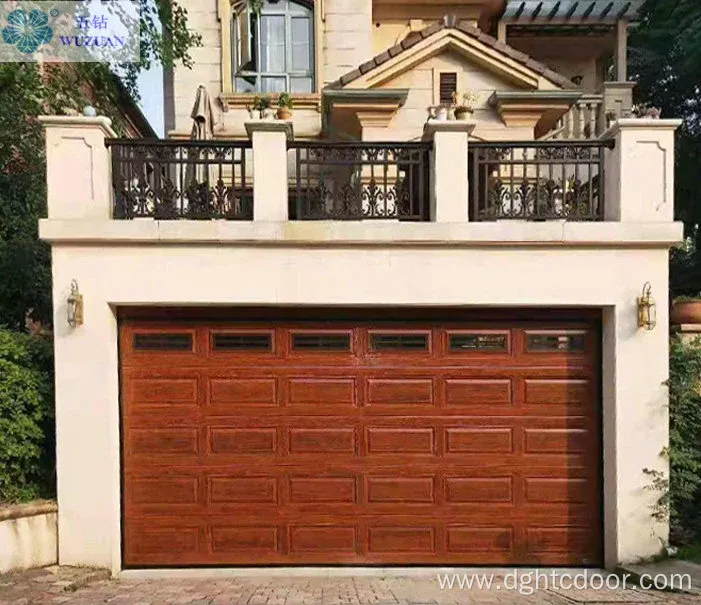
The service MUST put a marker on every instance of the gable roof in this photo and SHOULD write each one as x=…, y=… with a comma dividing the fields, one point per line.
x=451, y=22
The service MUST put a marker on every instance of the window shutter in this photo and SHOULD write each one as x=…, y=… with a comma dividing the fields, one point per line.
x=448, y=85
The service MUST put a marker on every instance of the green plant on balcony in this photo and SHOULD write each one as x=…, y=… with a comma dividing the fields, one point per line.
x=262, y=105
x=284, y=104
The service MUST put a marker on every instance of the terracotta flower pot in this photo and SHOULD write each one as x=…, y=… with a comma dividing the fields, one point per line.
x=284, y=113
x=686, y=313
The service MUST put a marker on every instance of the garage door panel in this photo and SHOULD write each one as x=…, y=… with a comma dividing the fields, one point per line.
x=400, y=390
x=238, y=392
x=321, y=391
x=470, y=392
x=357, y=444
x=223, y=440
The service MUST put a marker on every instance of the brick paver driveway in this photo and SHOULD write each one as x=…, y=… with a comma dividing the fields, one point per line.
x=84, y=587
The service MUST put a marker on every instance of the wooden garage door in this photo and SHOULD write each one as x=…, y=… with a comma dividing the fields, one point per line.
x=363, y=443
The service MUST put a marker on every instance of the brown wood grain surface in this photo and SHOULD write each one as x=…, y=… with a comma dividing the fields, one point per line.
x=365, y=456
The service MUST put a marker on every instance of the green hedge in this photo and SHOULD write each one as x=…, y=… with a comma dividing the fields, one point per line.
x=26, y=417
x=684, y=494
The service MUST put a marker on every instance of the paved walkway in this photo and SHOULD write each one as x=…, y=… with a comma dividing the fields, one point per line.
x=84, y=587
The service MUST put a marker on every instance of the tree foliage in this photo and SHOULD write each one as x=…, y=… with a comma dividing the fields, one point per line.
x=28, y=90
x=26, y=417
x=685, y=440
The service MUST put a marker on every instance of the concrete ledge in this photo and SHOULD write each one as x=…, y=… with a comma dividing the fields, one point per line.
x=342, y=233
x=30, y=509
x=28, y=536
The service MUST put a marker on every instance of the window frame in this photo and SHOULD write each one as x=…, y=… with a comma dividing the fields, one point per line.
x=289, y=16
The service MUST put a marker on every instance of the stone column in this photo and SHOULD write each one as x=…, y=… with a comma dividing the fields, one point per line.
x=639, y=183
x=450, y=187
x=270, y=170
x=78, y=167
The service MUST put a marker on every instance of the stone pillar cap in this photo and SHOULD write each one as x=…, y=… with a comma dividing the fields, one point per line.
x=102, y=122
x=270, y=126
x=434, y=126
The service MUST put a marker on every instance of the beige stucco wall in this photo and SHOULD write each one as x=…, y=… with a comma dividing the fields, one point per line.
x=347, y=36
x=202, y=18
x=28, y=541
x=422, y=82
x=87, y=397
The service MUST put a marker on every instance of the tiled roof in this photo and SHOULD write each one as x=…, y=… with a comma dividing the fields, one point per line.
x=589, y=11
x=451, y=22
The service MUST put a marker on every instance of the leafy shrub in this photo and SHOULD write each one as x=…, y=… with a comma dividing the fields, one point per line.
x=26, y=417
x=684, y=496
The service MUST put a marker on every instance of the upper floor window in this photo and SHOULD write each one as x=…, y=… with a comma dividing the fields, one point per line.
x=273, y=50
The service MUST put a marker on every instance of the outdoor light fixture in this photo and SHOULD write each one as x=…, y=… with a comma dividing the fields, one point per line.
x=74, y=306
x=647, y=309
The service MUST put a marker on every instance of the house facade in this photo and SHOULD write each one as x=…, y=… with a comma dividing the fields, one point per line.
x=374, y=333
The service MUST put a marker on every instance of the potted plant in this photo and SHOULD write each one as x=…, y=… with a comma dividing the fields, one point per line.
x=464, y=104
x=284, y=106
x=686, y=310
x=439, y=112
x=262, y=105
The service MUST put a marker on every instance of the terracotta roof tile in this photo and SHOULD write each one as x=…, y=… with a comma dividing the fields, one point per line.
x=451, y=22
x=395, y=50
x=368, y=66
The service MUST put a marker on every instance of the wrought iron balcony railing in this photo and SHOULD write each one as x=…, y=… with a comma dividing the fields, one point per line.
x=171, y=179
x=360, y=181
x=551, y=180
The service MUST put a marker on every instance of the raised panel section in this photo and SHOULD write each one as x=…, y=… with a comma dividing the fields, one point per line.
x=331, y=539
x=242, y=441
x=244, y=539
x=480, y=539
x=558, y=539
x=330, y=441
x=394, y=440
x=155, y=541
x=308, y=490
x=475, y=391
x=242, y=490
x=479, y=441
x=163, y=441
x=165, y=490
x=243, y=391
x=556, y=441
x=303, y=391
x=460, y=490
x=401, y=540
x=541, y=490
x=400, y=489
x=558, y=392
x=166, y=391
x=399, y=391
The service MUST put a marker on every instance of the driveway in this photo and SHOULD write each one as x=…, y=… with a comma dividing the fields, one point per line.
x=88, y=587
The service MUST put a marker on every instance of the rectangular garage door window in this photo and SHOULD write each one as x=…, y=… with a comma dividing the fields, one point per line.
x=320, y=342
x=154, y=341
x=242, y=342
x=484, y=342
x=543, y=342
x=402, y=342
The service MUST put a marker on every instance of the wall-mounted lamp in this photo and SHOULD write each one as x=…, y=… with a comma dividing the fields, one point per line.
x=647, y=309
x=74, y=306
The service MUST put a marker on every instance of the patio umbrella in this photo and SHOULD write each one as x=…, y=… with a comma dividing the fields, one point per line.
x=202, y=130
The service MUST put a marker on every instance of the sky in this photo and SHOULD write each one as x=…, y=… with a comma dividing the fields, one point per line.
x=151, y=102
